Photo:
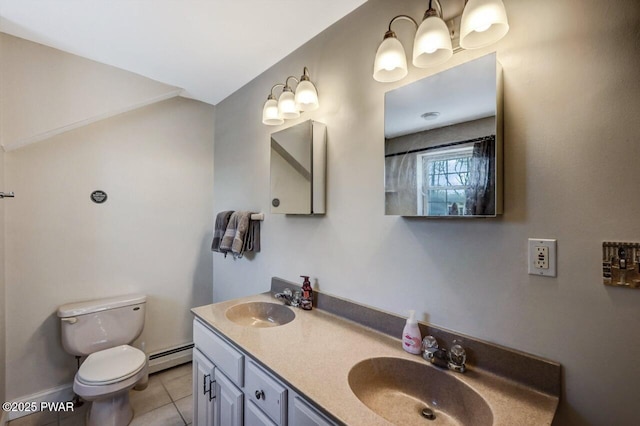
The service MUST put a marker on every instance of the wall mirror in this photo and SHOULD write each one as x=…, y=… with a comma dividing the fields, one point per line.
x=443, y=143
x=298, y=168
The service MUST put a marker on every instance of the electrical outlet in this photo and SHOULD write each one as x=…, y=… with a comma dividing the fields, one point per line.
x=542, y=257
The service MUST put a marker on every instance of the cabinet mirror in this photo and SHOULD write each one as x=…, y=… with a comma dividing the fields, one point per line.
x=298, y=164
x=443, y=143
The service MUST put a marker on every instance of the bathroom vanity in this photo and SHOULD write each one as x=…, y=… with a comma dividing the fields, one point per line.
x=231, y=389
x=256, y=364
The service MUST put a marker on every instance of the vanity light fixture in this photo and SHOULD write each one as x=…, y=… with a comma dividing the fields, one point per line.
x=483, y=22
x=290, y=103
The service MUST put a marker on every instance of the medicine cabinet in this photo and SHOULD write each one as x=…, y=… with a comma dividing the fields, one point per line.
x=443, y=143
x=298, y=169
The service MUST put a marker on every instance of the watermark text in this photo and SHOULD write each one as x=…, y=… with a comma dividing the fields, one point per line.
x=32, y=406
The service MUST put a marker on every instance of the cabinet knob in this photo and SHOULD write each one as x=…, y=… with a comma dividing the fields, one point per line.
x=260, y=394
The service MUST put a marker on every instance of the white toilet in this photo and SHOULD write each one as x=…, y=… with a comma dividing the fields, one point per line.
x=102, y=330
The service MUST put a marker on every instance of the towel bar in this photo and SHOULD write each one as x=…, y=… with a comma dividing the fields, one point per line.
x=255, y=216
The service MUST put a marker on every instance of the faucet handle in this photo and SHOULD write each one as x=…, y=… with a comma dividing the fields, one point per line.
x=457, y=357
x=295, y=300
x=286, y=295
x=429, y=348
x=429, y=342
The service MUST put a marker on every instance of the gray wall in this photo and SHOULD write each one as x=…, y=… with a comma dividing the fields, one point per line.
x=571, y=141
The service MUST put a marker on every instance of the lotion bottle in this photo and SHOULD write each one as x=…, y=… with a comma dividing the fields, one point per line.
x=411, y=337
x=306, y=302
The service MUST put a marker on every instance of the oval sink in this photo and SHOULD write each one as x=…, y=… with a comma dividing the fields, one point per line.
x=260, y=314
x=413, y=393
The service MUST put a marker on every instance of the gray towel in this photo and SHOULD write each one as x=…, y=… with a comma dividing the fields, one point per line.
x=222, y=220
x=229, y=233
x=241, y=233
x=252, y=242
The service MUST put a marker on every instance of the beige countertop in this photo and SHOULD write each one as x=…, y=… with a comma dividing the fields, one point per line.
x=314, y=353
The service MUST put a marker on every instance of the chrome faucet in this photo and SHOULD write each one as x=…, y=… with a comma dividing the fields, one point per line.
x=453, y=359
x=289, y=298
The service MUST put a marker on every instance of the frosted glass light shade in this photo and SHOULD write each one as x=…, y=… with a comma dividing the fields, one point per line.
x=391, y=62
x=287, y=105
x=306, y=97
x=483, y=22
x=270, y=115
x=432, y=44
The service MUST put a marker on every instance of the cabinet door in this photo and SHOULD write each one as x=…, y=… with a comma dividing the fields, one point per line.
x=228, y=400
x=255, y=416
x=203, y=401
x=305, y=415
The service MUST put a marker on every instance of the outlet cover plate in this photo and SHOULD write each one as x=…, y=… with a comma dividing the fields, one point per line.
x=536, y=263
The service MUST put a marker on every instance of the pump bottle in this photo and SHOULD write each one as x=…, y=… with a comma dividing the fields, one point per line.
x=411, y=337
x=307, y=294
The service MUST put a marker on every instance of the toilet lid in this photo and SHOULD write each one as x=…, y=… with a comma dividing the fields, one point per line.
x=111, y=365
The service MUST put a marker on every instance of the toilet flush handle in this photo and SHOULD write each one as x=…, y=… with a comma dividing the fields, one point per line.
x=70, y=320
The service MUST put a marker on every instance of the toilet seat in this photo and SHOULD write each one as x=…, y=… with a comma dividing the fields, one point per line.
x=111, y=365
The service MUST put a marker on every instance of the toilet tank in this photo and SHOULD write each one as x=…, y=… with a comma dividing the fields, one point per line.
x=95, y=325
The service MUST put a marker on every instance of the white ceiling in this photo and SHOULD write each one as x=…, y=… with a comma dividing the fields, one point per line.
x=210, y=48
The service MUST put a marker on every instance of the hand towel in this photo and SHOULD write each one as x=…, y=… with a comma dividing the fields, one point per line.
x=252, y=242
x=241, y=232
x=229, y=233
x=222, y=220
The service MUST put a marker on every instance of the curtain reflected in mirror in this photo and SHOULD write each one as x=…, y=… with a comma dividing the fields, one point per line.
x=442, y=144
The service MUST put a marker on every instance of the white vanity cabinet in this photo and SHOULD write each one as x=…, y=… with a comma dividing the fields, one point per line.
x=230, y=389
x=203, y=403
x=229, y=407
x=218, y=374
x=216, y=400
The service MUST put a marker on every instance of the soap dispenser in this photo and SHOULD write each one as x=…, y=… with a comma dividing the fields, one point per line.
x=306, y=302
x=411, y=337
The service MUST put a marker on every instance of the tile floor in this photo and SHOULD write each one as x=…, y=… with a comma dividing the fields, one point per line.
x=165, y=402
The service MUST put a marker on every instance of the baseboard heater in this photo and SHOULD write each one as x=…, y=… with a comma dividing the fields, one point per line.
x=170, y=357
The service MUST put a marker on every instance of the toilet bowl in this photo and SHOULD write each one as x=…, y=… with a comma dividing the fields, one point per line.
x=105, y=378
x=102, y=330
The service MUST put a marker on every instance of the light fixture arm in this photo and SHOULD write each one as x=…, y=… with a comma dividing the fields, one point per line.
x=286, y=83
x=305, y=74
x=390, y=33
x=271, y=92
